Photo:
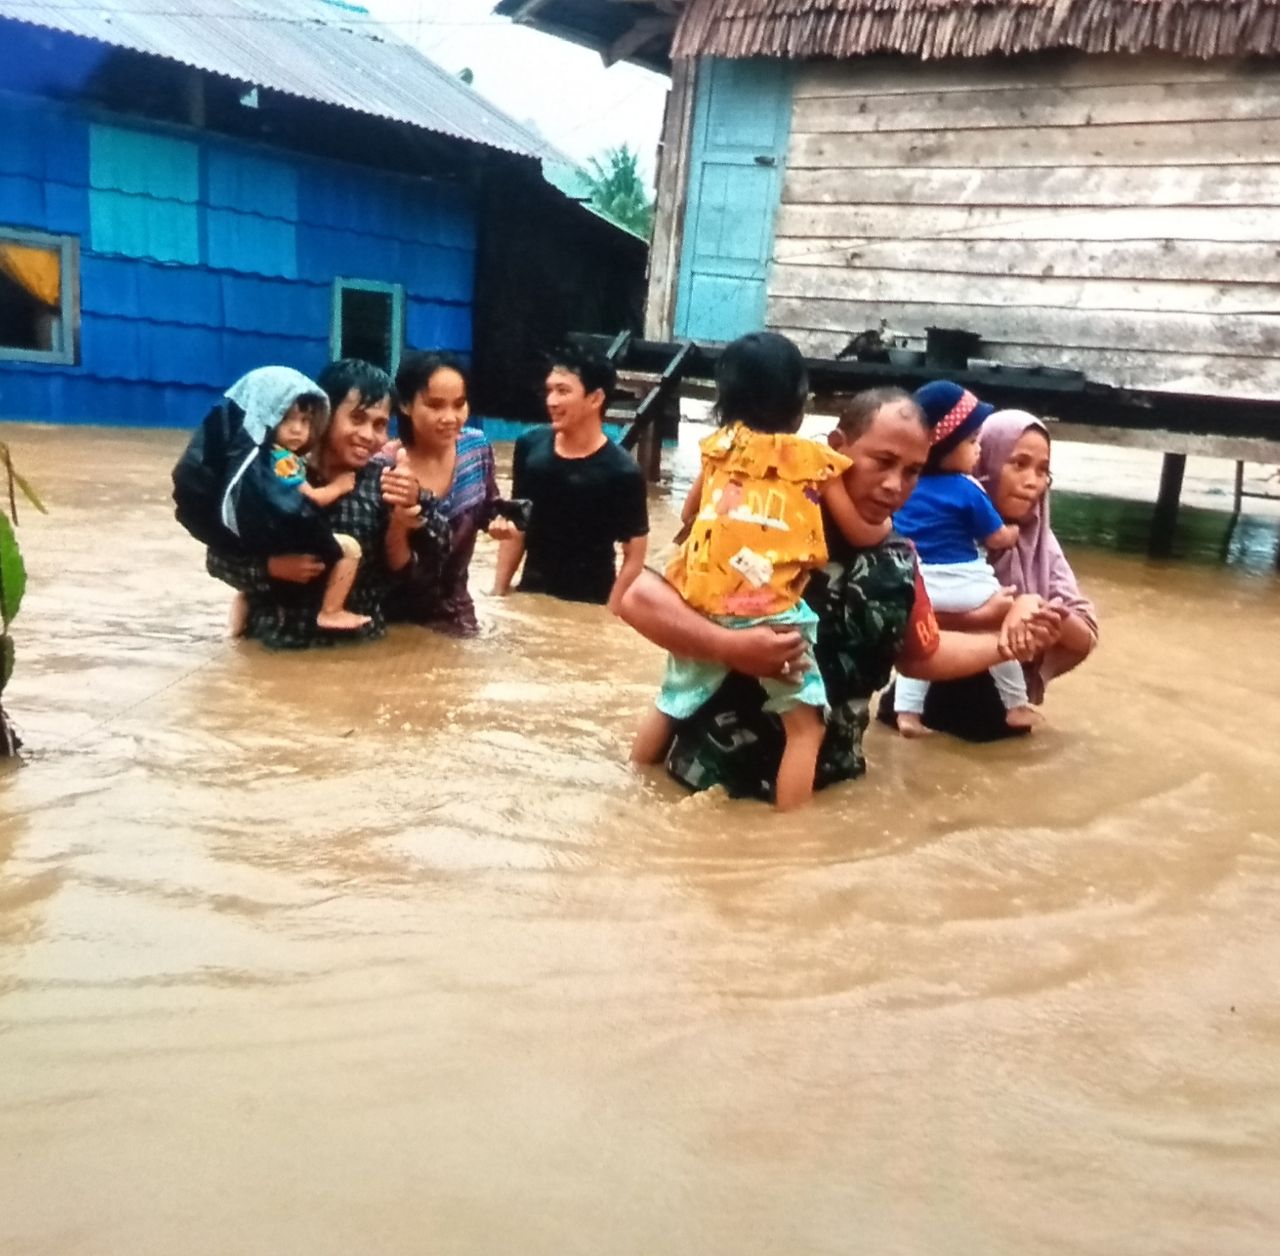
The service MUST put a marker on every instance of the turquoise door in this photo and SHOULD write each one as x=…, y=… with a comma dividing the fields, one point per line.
x=741, y=123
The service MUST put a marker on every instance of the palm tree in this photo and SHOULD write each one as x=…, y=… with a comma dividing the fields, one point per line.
x=618, y=191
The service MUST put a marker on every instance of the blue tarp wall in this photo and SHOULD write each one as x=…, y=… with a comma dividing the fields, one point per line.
x=203, y=257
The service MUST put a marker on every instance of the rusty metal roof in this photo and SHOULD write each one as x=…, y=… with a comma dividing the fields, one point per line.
x=331, y=53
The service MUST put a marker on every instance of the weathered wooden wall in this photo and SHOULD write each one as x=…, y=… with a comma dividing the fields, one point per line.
x=673, y=182
x=1116, y=214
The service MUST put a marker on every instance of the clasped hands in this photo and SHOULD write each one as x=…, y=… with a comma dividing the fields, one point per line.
x=1030, y=627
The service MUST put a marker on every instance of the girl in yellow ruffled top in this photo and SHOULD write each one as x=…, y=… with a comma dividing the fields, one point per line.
x=753, y=535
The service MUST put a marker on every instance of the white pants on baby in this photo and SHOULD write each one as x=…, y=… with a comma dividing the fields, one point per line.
x=962, y=587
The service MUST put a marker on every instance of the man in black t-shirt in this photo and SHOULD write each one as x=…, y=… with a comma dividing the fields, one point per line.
x=588, y=494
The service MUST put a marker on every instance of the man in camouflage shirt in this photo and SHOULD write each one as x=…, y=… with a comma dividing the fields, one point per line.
x=873, y=615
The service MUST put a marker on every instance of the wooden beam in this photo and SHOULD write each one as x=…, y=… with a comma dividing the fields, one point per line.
x=1071, y=398
x=1238, y=449
x=629, y=43
x=528, y=9
x=197, y=109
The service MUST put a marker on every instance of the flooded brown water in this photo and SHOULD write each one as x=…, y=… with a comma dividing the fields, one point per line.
x=386, y=950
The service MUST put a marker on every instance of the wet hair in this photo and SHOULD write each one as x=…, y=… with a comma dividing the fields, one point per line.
x=592, y=368
x=370, y=383
x=316, y=411
x=415, y=373
x=762, y=381
x=857, y=413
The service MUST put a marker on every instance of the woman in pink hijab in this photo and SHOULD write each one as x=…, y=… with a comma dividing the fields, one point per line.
x=1014, y=469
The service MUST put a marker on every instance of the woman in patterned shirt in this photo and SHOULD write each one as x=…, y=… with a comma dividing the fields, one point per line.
x=453, y=463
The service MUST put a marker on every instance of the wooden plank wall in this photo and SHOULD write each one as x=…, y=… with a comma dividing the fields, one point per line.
x=1116, y=214
x=673, y=182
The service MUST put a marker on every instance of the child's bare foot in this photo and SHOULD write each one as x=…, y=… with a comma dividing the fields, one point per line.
x=238, y=617
x=911, y=725
x=341, y=621
x=1023, y=717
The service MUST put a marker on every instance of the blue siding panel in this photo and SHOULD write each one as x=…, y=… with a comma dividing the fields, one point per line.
x=182, y=355
x=22, y=143
x=144, y=227
x=144, y=193
x=109, y=285
x=432, y=325
x=111, y=348
x=179, y=294
x=267, y=306
x=131, y=159
x=23, y=202
x=66, y=148
x=456, y=225
x=241, y=352
x=251, y=183
x=66, y=209
x=251, y=243
x=447, y=274
x=325, y=253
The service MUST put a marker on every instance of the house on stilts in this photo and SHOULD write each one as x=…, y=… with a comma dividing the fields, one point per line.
x=1090, y=185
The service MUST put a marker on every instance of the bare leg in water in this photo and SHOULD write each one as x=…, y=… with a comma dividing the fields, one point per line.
x=653, y=737
x=238, y=617
x=334, y=615
x=804, y=728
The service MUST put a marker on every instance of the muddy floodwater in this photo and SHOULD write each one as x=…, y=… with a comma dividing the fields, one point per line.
x=385, y=950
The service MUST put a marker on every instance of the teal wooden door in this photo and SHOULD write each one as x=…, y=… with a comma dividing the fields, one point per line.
x=741, y=124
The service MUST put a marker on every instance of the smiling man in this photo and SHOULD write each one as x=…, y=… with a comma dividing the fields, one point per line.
x=588, y=494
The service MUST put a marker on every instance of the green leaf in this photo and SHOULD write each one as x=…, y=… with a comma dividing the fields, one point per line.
x=13, y=574
x=6, y=662
x=14, y=478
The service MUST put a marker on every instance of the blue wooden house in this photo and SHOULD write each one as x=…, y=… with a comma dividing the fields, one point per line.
x=189, y=191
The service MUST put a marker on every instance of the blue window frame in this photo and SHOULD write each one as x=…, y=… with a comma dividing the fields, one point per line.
x=368, y=322
x=39, y=297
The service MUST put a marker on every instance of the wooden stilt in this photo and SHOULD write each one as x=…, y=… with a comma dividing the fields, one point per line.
x=649, y=452
x=1165, y=520
x=1237, y=505
x=646, y=428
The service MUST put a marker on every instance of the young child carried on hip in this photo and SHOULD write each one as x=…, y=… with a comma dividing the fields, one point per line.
x=270, y=505
x=753, y=535
x=950, y=519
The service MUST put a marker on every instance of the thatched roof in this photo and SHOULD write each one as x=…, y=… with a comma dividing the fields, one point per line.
x=974, y=28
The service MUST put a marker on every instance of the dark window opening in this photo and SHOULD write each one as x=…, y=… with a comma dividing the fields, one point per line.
x=368, y=322
x=38, y=297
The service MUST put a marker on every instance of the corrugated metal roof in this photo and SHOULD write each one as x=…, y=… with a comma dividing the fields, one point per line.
x=332, y=54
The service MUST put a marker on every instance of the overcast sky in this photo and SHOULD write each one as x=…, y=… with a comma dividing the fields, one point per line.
x=562, y=89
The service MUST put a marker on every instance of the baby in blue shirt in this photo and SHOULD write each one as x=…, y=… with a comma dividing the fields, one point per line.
x=948, y=517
